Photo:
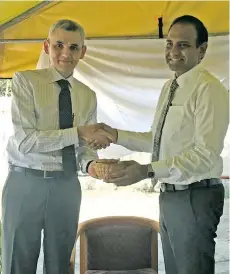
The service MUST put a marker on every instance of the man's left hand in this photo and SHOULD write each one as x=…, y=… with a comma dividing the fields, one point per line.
x=100, y=169
x=131, y=173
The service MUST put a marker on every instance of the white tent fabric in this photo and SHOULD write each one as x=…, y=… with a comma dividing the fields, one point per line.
x=127, y=76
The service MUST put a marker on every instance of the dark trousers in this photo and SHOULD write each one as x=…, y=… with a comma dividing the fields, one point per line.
x=188, y=224
x=30, y=204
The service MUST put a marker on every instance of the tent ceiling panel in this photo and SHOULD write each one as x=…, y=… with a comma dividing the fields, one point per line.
x=120, y=18
x=98, y=18
x=11, y=9
x=19, y=57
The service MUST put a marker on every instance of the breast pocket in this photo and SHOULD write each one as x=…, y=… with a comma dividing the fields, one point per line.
x=173, y=122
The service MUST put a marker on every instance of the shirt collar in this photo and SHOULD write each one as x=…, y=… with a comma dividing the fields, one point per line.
x=190, y=76
x=54, y=76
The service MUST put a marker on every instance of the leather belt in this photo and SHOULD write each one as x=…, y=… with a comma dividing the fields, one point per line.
x=203, y=184
x=37, y=173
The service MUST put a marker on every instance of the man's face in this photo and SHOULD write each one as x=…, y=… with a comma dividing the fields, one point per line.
x=181, y=52
x=65, y=48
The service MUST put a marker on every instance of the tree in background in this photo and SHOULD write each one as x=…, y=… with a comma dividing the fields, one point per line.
x=5, y=87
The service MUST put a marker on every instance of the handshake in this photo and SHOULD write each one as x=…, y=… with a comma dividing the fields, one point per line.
x=98, y=136
x=120, y=173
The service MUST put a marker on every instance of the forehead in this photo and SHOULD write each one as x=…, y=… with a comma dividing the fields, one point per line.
x=67, y=37
x=182, y=32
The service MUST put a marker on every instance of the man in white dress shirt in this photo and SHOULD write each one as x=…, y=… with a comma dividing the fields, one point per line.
x=51, y=116
x=186, y=141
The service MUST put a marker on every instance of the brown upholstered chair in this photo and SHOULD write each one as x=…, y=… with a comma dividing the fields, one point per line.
x=118, y=245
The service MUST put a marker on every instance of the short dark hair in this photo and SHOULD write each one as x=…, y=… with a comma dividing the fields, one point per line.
x=202, y=33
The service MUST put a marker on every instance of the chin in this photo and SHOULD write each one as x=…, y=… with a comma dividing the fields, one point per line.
x=172, y=67
x=66, y=68
x=176, y=67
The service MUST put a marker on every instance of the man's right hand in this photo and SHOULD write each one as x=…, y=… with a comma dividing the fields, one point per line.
x=105, y=130
x=98, y=135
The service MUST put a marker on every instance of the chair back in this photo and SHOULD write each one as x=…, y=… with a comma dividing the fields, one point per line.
x=118, y=243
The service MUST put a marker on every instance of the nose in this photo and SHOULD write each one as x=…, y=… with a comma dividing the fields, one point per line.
x=65, y=51
x=175, y=51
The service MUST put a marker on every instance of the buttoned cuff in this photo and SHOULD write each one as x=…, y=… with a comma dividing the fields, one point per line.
x=87, y=165
x=160, y=169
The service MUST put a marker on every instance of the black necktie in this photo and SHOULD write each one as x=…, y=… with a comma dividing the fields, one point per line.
x=66, y=121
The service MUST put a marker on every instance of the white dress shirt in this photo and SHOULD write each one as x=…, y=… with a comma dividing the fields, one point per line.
x=194, y=130
x=37, y=140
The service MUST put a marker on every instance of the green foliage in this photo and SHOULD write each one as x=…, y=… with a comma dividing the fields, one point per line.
x=5, y=87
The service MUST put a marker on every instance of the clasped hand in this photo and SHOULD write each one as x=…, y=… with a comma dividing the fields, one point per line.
x=98, y=136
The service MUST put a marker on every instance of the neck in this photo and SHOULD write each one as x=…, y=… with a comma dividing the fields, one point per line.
x=64, y=74
x=179, y=73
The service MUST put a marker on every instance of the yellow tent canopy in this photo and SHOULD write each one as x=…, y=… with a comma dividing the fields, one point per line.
x=24, y=25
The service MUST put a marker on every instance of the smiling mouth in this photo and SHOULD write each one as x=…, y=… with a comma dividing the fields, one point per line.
x=64, y=61
x=175, y=59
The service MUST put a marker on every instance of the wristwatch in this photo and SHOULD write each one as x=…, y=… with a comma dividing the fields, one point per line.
x=150, y=173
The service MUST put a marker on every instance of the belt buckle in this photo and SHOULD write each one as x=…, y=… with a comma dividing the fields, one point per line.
x=46, y=177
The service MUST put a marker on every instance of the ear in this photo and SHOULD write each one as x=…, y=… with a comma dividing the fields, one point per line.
x=46, y=46
x=203, y=48
x=83, y=51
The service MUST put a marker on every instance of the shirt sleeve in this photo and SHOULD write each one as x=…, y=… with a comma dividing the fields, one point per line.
x=135, y=141
x=211, y=120
x=26, y=135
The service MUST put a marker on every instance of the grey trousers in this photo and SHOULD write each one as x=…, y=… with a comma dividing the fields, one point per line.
x=30, y=204
x=188, y=224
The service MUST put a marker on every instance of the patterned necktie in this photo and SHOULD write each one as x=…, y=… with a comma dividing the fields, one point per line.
x=66, y=121
x=159, y=128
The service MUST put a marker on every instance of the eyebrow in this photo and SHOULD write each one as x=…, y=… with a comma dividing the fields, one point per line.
x=60, y=42
x=185, y=41
x=75, y=45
